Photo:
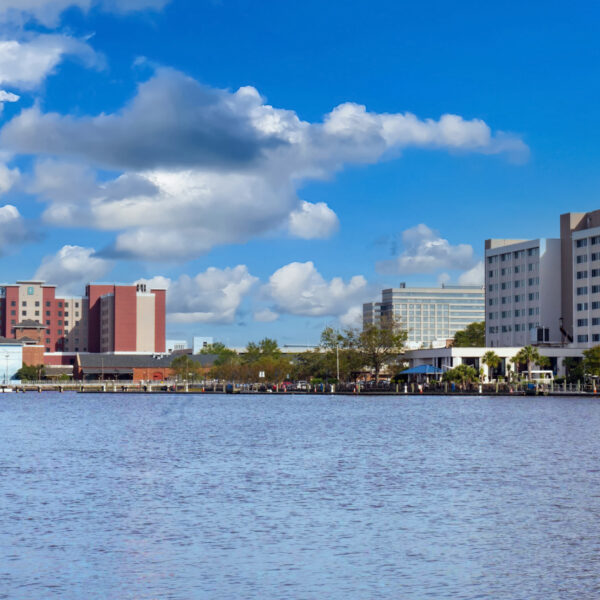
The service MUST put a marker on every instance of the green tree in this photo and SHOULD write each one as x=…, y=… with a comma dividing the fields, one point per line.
x=223, y=354
x=377, y=346
x=31, y=373
x=462, y=374
x=528, y=356
x=574, y=367
x=267, y=347
x=185, y=367
x=492, y=361
x=473, y=336
x=591, y=361
x=339, y=347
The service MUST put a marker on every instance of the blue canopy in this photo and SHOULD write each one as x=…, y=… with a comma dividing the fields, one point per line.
x=423, y=370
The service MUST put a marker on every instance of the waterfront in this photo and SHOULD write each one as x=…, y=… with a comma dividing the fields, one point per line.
x=139, y=496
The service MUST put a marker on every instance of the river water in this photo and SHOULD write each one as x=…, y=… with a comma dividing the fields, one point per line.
x=123, y=496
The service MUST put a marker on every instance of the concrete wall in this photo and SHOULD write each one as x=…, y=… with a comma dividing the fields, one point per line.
x=146, y=321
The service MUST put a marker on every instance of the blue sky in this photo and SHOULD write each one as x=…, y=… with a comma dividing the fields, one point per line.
x=128, y=151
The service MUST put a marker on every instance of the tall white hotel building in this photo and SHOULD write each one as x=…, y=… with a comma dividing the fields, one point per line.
x=545, y=290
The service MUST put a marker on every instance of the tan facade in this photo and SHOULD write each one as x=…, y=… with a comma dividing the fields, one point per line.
x=145, y=322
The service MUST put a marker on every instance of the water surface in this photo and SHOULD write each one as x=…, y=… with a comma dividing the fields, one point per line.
x=224, y=497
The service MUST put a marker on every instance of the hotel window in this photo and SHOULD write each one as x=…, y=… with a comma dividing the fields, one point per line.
x=47, y=331
x=582, y=338
x=490, y=261
x=533, y=296
x=60, y=305
x=582, y=306
x=60, y=313
x=504, y=257
x=581, y=243
x=37, y=303
x=595, y=289
x=66, y=323
x=48, y=304
x=533, y=281
x=47, y=340
x=533, y=252
x=532, y=267
x=76, y=314
x=595, y=305
x=37, y=313
x=47, y=313
x=13, y=313
x=581, y=258
x=595, y=272
x=518, y=312
x=582, y=291
x=66, y=314
x=505, y=314
x=13, y=303
x=582, y=274
x=582, y=322
x=517, y=269
x=24, y=313
x=595, y=240
x=595, y=337
x=595, y=256
x=59, y=332
x=596, y=321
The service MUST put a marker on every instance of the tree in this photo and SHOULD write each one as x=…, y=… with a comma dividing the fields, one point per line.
x=377, y=346
x=462, y=374
x=528, y=356
x=574, y=369
x=338, y=347
x=223, y=354
x=591, y=361
x=185, y=367
x=31, y=373
x=266, y=347
x=473, y=336
x=491, y=360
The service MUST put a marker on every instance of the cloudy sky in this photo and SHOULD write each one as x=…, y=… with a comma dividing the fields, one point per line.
x=275, y=164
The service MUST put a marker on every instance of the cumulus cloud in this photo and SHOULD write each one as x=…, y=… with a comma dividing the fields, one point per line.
x=474, y=276
x=425, y=251
x=352, y=317
x=299, y=289
x=72, y=267
x=47, y=12
x=212, y=167
x=213, y=296
x=8, y=178
x=313, y=221
x=25, y=64
x=13, y=230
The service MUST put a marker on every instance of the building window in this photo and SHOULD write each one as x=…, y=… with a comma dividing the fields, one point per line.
x=47, y=340
x=60, y=313
x=76, y=304
x=47, y=313
x=533, y=252
x=595, y=337
x=582, y=306
x=582, y=322
x=24, y=303
x=581, y=258
x=13, y=313
x=66, y=323
x=60, y=305
x=24, y=313
x=47, y=330
x=582, y=338
x=595, y=272
x=595, y=240
x=48, y=304
x=582, y=274
x=60, y=322
x=66, y=314
x=59, y=332
x=595, y=289
x=581, y=291
x=581, y=244
x=47, y=349
x=595, y=305
x=37, y=313
x=595, y=321
x=76, y=314
x=37, y=302
x=13, y=303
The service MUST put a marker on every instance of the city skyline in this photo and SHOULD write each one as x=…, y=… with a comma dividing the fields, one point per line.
x=274, y=188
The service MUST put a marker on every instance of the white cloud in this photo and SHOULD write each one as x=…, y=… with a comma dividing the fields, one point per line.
x=13, y=230
x=214, y=167
x=25, y=64
x=47, y=12
x=7, y=97
x=213, y=296
x=474, y=276
x=352, y=317
x=8, y=178
x=425, y=251
x=71, y=268
x=299, y=289
x=265, y=316
x=313, y=221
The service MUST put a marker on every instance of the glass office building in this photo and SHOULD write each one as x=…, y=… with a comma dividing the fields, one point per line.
x=430, y=315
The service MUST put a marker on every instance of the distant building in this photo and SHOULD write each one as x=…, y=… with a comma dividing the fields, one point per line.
x=430, y=315
x=523, y=291
x=201, y=342
x=109, y=318
x=174, y=345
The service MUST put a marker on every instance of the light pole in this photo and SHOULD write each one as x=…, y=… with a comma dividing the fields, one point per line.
x=6, y=356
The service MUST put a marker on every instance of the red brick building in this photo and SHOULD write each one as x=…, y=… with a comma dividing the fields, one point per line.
x=109, y=318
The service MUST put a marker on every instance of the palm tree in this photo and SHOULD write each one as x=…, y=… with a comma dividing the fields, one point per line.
x=491, y=360
x=528, y=356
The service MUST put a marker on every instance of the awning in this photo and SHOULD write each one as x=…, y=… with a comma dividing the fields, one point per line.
x=423, y=370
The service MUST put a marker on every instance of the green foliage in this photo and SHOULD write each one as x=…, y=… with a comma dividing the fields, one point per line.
x=462, y=374
x=185, y=367
x=379, y=346
x=591, y=361
x=473, y=336
x=265, y=348
x=223, y=354
x=31, y=373
x=529, y=356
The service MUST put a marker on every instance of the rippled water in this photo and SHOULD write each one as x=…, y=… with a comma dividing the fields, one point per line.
x=226, y=497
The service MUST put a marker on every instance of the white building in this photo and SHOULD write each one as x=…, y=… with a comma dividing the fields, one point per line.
x=522, y=291
x=430, y=315
x=172, y=345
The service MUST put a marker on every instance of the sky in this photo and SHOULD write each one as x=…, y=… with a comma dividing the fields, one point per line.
x=276, y=164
